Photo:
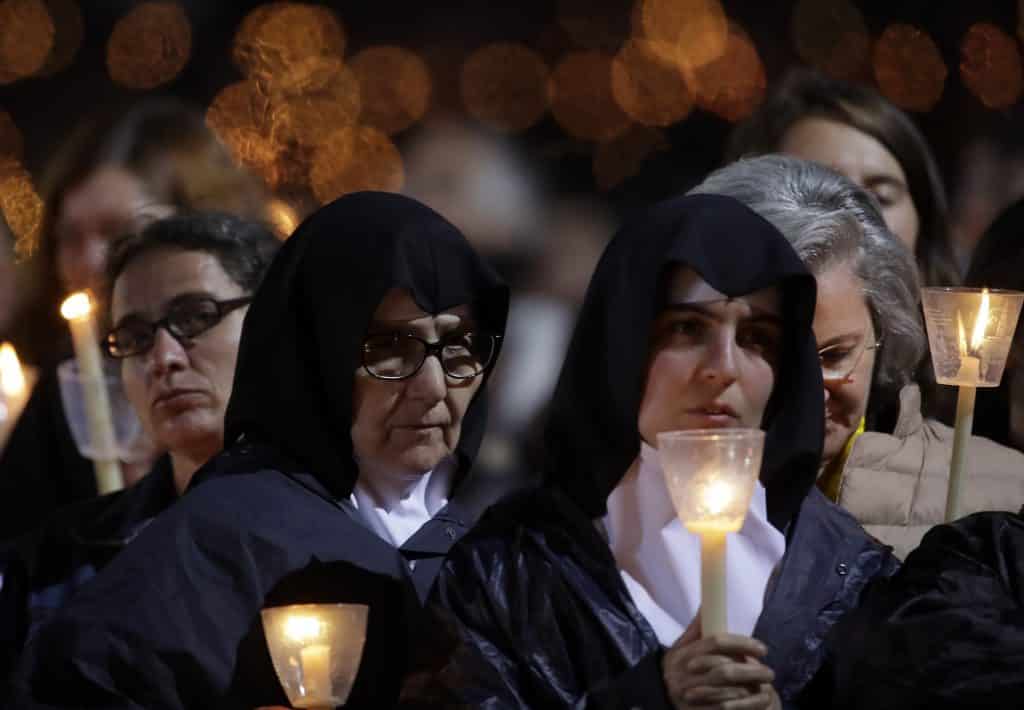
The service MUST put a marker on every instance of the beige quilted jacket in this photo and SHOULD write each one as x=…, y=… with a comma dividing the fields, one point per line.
x=895, y=484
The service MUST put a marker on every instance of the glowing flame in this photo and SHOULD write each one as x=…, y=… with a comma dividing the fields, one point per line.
x=961, y=335
x=302, y=629
x=978, y=336
x=12, y=379
x=716, y=496
x=77, y=305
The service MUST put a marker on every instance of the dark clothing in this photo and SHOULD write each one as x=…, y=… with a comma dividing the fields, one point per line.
x=174, y=620
x=544, y=619
x=269, y=521
x=40, y=468
x=47, y=567
x=945, y=633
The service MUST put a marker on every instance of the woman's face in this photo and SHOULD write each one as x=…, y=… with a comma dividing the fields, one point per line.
x=846, y=340
x=179, y=389
x=409, y=426
x=103, y=206
x=862, y=159
x=713, y=358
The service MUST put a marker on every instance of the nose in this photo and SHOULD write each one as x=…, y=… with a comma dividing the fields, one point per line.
x=166, y=355
x=719, y=362
x=429, y=383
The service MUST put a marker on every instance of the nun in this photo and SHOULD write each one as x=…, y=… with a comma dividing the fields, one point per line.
x=356, y=413
x=585, y=592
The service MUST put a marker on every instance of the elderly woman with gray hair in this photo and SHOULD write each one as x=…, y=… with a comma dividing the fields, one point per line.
x=882, y=460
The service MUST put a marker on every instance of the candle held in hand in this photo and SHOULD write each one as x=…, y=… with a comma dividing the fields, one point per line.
x=78, y=310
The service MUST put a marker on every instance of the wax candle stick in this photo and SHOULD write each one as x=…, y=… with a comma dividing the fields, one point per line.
x=78, y=311
x=316, y=673
x=961, y=436
x=713, y=615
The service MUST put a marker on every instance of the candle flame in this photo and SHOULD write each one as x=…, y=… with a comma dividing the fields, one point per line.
x=12, y=378
x=961, y=335
x=302, y=629
x=978, y=335
x=77, y=305
x=717, y=496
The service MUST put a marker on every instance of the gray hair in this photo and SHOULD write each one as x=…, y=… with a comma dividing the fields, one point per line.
x=830, y=221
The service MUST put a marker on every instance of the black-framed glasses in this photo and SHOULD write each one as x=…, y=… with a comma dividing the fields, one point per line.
x=839, y=361
x=397, y=356
x=185, y=319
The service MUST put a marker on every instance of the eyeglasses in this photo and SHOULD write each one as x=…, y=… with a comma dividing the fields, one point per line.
x=839, y=361
x=185, y=319
x=463, y=356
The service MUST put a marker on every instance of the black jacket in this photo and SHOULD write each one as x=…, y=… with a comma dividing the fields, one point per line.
x=45, y=568
x=560, y=629
x=945, y=633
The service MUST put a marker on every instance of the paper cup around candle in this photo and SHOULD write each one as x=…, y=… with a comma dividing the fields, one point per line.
x=970, y=331
x=710, y=474
x=126, y=426
x=316, y=650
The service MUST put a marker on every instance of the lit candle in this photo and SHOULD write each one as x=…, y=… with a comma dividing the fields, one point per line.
x=316, y=672
x=14, y=388
x=78, y=310
x=715, y=498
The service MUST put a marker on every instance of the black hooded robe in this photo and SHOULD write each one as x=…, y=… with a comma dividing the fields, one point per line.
x=174, y=621
x=535, y=610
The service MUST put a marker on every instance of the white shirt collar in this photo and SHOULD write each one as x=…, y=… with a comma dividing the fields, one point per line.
x=395, y=507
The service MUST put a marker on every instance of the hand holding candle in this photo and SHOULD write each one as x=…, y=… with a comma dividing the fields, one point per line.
x=710, y=474
x=968, y=362
x=78, y=310
x=316, y=650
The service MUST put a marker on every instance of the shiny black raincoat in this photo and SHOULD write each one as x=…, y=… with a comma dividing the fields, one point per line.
x=532, y=601
x=945, y=633
x=174, y=620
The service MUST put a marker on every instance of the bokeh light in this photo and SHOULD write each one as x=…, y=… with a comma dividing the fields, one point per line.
x=68, y=36
x=394, y=87
x=21, y=205
x=990, y=65
x=649, y=88
x=504, y=85
x=355, y=158
x=12, y=145
x=283, y=217
x=832, y=37
x=310, y=116
x=692, y=32
x=149, y=46
x=26, y=38
x=281, y=44
x=581, y=97
x=733, y=85
x=618, y=160
x=595, y=25
x=242, y=117
x=908, y=68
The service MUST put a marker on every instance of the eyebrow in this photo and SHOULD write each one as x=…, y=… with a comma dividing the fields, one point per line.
x=758, y=314
x=855, y=336
x=464, y=323
x=874, y=180
x=166, y=305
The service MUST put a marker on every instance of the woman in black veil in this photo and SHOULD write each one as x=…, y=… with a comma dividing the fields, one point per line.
x=578, y=594
x=356, y=414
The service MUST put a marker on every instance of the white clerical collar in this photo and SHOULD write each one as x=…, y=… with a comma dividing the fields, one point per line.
x=395, y=507
x=659, y=559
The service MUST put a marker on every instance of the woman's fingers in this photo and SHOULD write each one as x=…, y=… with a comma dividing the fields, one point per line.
x=764, y=700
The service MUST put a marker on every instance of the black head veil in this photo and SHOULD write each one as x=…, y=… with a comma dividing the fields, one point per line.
x=302, y=335
x=592, y=438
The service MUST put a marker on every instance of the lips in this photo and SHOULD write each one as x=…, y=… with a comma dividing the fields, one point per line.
x=168, y=397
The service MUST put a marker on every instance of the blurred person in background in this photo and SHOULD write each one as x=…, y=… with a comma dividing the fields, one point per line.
x=883, y=460
x=180, y=289
x=858, y=133
x=110, y=178
x=998, y=262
